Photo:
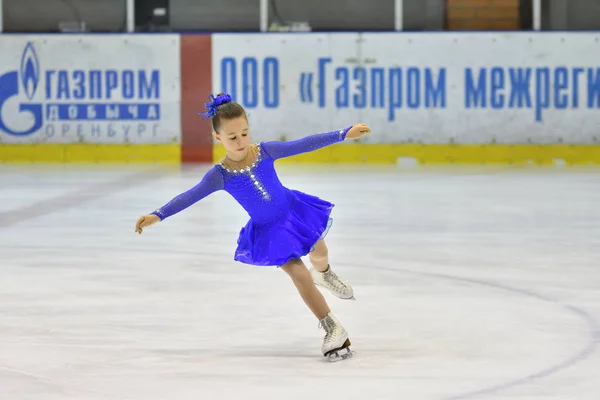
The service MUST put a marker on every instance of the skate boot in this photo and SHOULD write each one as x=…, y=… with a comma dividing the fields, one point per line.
x=330, y=281
x=336, y=344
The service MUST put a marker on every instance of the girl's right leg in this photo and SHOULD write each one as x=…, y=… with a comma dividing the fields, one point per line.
x=336, y=337
x=306, y=287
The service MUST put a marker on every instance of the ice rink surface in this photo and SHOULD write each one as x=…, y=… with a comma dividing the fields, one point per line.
x=471, y=283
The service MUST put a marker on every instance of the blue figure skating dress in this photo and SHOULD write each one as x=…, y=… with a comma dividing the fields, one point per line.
x=284, y=224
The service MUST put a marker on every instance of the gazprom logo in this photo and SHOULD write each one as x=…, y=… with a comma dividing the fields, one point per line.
x=28, y=117
x=78, y=102
x=30, y=71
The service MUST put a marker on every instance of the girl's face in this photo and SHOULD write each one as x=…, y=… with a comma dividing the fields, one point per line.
x=235, y=136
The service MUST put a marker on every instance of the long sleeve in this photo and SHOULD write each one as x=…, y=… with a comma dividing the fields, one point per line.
x=310, y=143
x=212, y=181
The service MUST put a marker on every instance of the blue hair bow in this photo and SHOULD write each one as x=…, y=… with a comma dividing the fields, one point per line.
x=213, y=105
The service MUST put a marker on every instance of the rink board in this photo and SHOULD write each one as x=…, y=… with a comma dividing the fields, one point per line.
x=71, y=98
x=517, y=98
x=511, y=98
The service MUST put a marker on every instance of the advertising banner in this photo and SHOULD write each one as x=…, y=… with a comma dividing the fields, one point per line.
x=416, y=88
x=113, y=89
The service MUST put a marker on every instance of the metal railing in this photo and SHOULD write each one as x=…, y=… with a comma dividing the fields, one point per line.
x=264, y=15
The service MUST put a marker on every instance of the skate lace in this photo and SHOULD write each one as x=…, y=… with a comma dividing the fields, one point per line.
x=331, y=328
x=331, y=278
x=324, y=324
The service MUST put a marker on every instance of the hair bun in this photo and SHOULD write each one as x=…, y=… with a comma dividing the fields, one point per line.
x=223, y=98
x=213, y=105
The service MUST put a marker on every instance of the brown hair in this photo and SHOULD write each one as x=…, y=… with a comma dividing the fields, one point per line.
x=227, y=111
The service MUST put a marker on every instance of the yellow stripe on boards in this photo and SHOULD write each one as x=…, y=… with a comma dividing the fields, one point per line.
x=527, y=154
x=91, y=153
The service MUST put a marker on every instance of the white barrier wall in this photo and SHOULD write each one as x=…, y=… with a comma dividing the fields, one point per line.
x=425, y=87
x=90, y=88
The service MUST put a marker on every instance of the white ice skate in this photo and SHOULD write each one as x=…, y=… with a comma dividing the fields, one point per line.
x=330, y=281
x=336, y=344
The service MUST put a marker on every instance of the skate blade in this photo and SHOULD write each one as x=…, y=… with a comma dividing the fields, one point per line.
x=340, y=354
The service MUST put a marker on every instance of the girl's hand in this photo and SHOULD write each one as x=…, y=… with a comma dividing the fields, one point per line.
x=144, y=221
x=357, y=131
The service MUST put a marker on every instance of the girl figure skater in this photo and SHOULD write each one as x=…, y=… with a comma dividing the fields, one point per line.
x=284, y=224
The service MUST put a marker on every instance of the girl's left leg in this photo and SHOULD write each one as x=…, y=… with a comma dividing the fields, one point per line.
x=324, y=276
x=319, y=257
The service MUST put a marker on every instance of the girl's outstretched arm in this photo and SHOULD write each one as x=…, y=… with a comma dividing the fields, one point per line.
x=212, y=181
x=310, y=143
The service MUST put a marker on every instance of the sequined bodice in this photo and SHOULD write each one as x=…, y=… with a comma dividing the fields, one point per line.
x=257, y=188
